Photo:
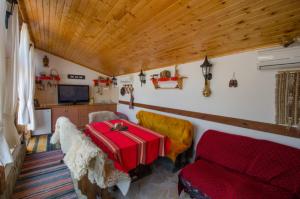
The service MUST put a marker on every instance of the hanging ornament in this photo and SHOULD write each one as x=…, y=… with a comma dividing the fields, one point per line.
x=233, y=82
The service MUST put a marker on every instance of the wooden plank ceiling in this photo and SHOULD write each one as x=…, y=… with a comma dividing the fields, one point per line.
x=121, y=36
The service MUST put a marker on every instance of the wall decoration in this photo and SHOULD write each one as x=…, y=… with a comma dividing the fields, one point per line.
x=122, y=91
x=206, y=71
x=127, y=80
x=288, y=98
x=233, y=82
x=104, y=81
x=128, y=89
x=142, y=77
x=72, y=76
x=114, y=81
x=44, y=80
x=101, y=83
x=131, y=97
x=166, y=81
x=46, y=61
x=165, y=74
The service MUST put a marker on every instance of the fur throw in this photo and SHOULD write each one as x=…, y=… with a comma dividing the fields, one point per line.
x=83, y=157
x=104, y=174
x=64, y=134
x=80, y=154
x=102, y=116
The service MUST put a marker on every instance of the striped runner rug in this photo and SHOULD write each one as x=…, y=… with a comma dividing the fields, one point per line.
x=43, y=175
x=40, y=143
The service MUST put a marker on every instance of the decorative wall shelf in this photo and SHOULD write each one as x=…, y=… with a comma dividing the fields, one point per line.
x=44, y=81
x=47, y=78
x=159, y=81
x=107, y=82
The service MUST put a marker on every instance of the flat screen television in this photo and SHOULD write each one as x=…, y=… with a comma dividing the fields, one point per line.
x=72, y=93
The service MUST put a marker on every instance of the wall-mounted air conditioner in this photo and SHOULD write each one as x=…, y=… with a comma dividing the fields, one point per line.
x=279, y=58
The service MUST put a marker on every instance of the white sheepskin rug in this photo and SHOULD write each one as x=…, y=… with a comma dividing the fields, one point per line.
x=83, y=157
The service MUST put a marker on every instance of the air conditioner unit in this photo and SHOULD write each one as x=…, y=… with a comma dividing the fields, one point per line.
x=279, y=58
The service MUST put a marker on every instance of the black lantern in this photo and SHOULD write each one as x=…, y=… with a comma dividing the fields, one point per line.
x=206, y=67
x=142, y=77
x=46, y=61
x=206, y=71
x=114, y=81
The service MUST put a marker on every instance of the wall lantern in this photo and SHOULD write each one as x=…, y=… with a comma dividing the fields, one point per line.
x=142, y=77
x=46, y=61
x=206, y=71
x=114, y=81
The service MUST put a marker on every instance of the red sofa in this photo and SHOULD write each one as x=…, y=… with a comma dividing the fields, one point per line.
x=236, y=167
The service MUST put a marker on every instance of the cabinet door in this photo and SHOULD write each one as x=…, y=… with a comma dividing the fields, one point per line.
x=82, y=116
x=102, y=107
x=72, y=114
x=56, y=113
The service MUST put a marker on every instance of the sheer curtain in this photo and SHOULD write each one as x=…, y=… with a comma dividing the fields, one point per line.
x=31, y=88
x=23, y=113
x=10, y=99
x=5, y=155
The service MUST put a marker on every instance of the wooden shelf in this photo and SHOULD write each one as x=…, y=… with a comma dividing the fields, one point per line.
x=47, y=78
x=102, y=81
x=178, y=79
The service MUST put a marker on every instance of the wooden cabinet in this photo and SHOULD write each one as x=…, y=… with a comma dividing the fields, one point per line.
x=78, y=114
x=83, y=116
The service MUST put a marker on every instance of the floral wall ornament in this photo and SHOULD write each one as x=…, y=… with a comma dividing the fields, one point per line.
x=206, y=71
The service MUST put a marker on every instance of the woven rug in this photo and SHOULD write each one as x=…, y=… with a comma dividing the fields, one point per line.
x=40, y=143
x=43, y=175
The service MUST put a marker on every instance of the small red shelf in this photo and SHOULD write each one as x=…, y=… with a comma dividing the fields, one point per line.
x=47, y=78
x=102, y=81
x=165, y=79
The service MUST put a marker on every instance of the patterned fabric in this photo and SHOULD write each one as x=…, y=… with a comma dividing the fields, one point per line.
x=141, y=143
x=40, y=143
x=161, y=137
x=106, y=141
x=219, y=182
x=288, y=98
x=243, y=167
x=136, y=145
x=180, y=132
x=43, y=175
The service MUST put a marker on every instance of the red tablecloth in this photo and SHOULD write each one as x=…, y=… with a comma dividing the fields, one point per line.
x=137, y=145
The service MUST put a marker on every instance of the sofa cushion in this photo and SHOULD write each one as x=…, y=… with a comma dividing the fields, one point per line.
x=219, y=182
x=180, y=132
x=231, y=151
x=278, y=165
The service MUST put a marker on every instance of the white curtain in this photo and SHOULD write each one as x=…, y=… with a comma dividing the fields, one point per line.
x=10, y=99
x=31, y=88
x=23, y=83
x=5, y=155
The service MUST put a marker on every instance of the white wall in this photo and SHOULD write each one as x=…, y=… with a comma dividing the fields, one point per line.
x=64, y=68
x=253, y=99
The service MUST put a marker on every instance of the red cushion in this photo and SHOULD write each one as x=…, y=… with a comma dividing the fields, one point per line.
x=219, y=182
x=277, y=164
x=232, y=151
x=270, y=162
